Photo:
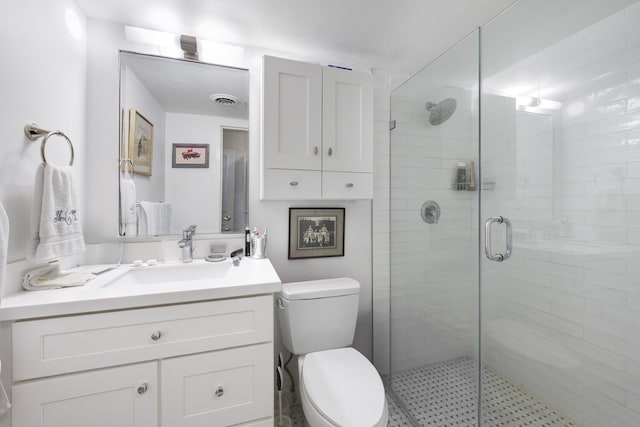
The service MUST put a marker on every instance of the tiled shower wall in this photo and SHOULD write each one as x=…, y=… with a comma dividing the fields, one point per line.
x=561, y=318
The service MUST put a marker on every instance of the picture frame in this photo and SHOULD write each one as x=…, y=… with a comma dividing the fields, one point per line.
x=190, y=155
x=140, y=143
x=316, y=232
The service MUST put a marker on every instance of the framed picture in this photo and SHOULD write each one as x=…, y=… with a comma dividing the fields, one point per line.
x=316, y=232
x=140, y=143
x=190, y=156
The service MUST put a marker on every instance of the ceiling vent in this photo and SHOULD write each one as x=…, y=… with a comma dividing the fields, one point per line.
x=223, y=99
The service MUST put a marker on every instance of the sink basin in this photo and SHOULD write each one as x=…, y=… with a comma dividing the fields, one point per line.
x=171, y=273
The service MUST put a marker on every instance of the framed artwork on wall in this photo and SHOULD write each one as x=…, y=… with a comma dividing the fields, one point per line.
x=140, y=143
x=190, y=156
x=316, y=232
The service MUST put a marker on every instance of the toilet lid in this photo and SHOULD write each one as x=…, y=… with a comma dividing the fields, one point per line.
x=344, y=387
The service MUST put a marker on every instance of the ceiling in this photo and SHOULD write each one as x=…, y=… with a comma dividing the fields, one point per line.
x=185, y=87
x=398, y=36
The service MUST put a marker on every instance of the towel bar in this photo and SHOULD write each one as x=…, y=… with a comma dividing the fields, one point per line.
x=33, y=132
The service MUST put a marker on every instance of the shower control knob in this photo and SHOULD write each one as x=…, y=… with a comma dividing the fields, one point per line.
x=227, y=217
x=156, y=335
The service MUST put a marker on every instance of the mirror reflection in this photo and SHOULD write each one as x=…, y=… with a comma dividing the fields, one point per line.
x=184, y=146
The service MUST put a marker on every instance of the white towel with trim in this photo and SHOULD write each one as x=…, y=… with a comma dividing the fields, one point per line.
x=50, y=277
x=158, y=216
x=128, y=210
x=55, y=220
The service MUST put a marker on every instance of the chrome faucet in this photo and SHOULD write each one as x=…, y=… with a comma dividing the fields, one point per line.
x=187, y=243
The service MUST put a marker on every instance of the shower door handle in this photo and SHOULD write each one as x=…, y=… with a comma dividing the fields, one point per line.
x=487, y=239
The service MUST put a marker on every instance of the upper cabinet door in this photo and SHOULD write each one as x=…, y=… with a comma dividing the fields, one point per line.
x=292, y=114
x=347, y=121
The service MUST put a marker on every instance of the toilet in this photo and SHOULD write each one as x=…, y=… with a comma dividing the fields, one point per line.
x=338, y=385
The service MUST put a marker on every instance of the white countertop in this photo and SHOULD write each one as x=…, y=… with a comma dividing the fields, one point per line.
x=251, y=277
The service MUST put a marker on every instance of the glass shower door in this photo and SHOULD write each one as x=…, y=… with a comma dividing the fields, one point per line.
x=560, y=144
x=434, y=241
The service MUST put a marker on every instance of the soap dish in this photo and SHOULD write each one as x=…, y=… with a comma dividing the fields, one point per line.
x=215, y=258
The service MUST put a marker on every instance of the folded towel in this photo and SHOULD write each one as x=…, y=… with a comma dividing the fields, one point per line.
x=4, y=244
x=128, y=210
x=158, y=216
x=50, y=277
x=55, y=219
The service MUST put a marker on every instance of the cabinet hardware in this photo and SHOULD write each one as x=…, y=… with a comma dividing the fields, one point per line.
x=293, y=183
x=219, y=391
x=156, y=335
x=142, y=388
x=349, y=184
x=329, y=151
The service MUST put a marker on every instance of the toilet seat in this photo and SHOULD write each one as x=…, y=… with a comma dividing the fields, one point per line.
x=344, y=388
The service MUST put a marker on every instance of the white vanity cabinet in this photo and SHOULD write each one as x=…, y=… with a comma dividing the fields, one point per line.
x=317, y=135
x=194, y=364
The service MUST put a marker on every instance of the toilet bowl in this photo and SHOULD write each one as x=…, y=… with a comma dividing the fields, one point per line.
x=338, y=385
x=341, y=388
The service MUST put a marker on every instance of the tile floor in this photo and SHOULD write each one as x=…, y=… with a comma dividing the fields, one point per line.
x=444, y=395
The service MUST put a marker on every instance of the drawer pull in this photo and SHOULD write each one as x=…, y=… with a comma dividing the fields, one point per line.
x=142, y=388
x=349, y=184
x=156, y=335
x=293, y=183
x=330, y=151
x=219, y=391
x=315, y=150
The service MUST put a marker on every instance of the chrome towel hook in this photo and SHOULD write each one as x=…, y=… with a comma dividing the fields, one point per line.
x=33, y=132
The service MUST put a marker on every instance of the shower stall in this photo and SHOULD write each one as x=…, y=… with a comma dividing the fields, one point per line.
x=515, y=224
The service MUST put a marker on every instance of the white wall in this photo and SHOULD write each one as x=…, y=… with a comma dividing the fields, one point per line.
x=196, y=193
x=43, y=81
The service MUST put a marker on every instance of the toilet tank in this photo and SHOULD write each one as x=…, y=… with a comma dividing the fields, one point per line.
x=318, y=315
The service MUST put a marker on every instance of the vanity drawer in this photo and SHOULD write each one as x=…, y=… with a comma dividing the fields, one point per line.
x=347, y=185
x=75, y=343
x=285, y=184
x=219, y=388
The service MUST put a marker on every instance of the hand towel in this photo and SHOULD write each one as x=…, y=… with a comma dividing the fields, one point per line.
x=4, y=245
x=55, y=218
x=158, y=217
x=50, y=277
x=128, y=210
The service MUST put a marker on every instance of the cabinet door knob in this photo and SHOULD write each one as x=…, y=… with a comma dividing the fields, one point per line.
x=330, y=151
x=156, y=335
x=142, y=388
x=315, y=150
x=349, y=184
x=219, y=391
x=293, y=183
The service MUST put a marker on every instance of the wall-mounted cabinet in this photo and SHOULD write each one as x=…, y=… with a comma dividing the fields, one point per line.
x=317, y=132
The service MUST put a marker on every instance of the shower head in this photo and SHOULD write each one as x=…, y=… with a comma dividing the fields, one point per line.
x=442, y=111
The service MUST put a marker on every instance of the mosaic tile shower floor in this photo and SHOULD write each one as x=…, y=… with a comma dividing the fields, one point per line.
x=444, y=395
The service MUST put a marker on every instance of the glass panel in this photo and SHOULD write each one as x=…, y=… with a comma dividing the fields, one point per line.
x=434, y=262
x=561, y=160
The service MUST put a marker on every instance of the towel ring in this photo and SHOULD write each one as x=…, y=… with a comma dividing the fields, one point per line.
x=127, y=162
x=44, y=143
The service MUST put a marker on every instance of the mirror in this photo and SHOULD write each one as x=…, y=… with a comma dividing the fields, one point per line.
x=184, y=146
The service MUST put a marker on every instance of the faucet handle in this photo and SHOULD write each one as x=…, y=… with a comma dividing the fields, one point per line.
x=189, y=231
